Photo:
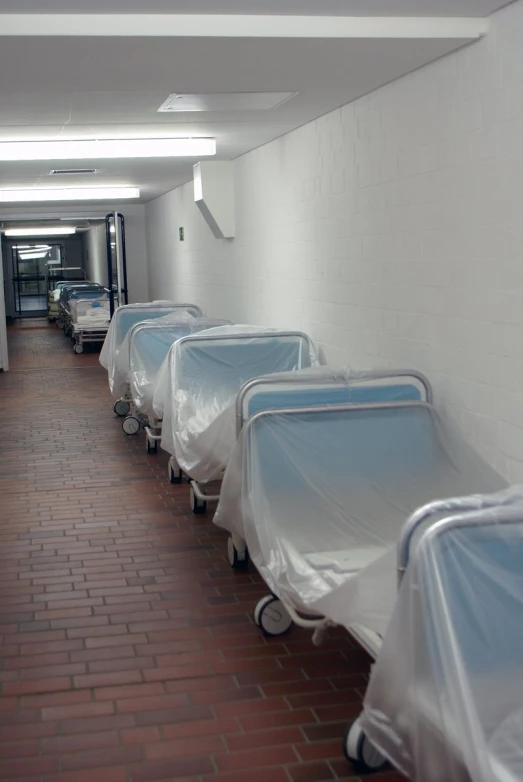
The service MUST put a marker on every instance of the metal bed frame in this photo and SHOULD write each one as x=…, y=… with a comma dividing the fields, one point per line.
x=153, y=427
x=122, y=407
x=358, y=748
x=198, y=495
x=82, y=335
x=236, y=547
x=282, y=615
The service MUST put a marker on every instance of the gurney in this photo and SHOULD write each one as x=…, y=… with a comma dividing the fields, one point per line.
x=325, y=495
x=89, y=321
x=75, y=290
x=310, y=388
x=53, y=287
x=141, y=356
x=445, y=699
x=123, y=320
x=196, y=395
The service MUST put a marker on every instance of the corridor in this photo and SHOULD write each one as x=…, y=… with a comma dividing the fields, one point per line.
x=128, y=652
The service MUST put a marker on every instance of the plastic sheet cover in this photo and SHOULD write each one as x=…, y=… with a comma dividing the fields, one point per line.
x=122, y=366
x=326, y=494
x=196, y=390
x=324, y=385
x=97, y=308
x=149, y=344
x=91, y=314
x=123, y=320
x=445, y=700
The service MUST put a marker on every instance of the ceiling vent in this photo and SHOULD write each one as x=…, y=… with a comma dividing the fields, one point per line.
x=226, y=101
x=72, y=171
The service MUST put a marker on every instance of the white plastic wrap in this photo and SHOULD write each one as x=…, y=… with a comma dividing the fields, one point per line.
x=325, y=385
x=445, y=700
x=325, y=495
x=149, y=344
x=196, y=389
x=90, y=312
x=121, y=378
x=122, y=322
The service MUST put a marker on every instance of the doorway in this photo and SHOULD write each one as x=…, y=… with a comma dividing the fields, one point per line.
x=31, y=265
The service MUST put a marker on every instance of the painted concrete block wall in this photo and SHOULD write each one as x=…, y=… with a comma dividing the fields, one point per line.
x=392, y=231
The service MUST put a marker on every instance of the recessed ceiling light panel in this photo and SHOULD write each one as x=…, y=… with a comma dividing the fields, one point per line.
x=33, y=256
x=106, y=149
x=32, y=247
x=38, y=194
x=39, y=230
x=226, y=101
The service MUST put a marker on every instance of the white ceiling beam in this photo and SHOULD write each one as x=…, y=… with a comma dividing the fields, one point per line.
x=230, y=26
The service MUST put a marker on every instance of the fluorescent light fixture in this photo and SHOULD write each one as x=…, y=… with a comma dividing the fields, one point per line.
x=106, y=149
x=69, y=194
x=33, y=256
x=31, y=247
x=55, y=230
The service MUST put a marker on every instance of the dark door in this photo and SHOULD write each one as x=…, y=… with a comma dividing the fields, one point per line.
x=29, y=279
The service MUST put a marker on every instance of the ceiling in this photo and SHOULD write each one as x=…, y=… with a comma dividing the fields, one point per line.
x=81, y=87
x=470, y=8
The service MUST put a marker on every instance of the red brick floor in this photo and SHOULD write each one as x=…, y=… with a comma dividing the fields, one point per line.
x=128, y=652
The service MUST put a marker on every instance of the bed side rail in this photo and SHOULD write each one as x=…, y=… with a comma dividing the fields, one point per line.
x=475, y=502
x=372, y=375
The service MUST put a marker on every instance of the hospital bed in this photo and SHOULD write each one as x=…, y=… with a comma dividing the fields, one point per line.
x=71, y=291
x=143, y=352
x=445, y=699
x=54, y=285
x=316, y=387
x=89, y=321
x=123, y=320
x=325, y=494
x=198, y=390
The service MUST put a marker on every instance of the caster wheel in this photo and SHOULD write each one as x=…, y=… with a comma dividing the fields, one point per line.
x=236, y=560
x=197, y=506
x=174, y=476
x=359, y=751
x=151, y=446
x=272, y=617
x=131, y=425
x=60, y=324
x=121, y=408
x=78, y=348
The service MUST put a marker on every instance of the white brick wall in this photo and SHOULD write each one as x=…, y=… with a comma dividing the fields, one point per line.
x=392, y=231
